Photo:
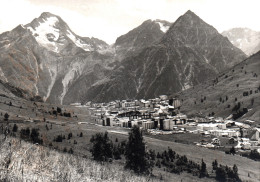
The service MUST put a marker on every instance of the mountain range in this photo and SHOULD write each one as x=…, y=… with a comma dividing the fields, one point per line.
x=47, y=60
x=190, y=52
x=245, y=39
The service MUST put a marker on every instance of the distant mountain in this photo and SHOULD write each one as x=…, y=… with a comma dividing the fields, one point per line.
x=189, y=53
x=45, y=58
x=220, y=96
x=245, y=39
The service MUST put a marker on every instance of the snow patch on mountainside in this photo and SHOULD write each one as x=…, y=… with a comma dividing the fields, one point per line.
x=78, y=42
x=46, y=34
x=163, y=27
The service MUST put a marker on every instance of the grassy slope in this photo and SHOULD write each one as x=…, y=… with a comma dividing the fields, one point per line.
x=196, y=153
x=30, y=162
x=243, y=75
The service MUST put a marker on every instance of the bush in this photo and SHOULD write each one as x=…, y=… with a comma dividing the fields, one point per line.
x=35, y=136
x=58, y=138
x=25, y=133
x=59, y=110
x=254, y=155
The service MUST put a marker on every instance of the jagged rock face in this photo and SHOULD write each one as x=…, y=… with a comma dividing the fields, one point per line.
x=45, y=57
x=142, y=36
x=245, y=39
x=189, y=53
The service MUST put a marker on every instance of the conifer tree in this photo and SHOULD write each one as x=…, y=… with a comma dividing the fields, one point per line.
x=102, y=148
x=136, y=156
x=203, y=169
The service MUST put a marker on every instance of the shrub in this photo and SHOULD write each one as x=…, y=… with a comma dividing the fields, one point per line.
x=35, y=136
x=59, y=110
x=58, y=138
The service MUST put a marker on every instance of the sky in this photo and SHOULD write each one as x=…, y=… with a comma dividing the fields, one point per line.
x=108, y=19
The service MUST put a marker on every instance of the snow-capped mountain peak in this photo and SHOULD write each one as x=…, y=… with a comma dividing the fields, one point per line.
x=46, y=34
x=52, y=33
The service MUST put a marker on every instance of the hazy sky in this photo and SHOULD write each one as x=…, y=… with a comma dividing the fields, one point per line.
x=108, y=19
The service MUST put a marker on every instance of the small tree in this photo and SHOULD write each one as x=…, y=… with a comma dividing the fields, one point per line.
x=136, y=156
x=70, y=151
x=215, y=165
x=65, y=149
x=6, y=116
x=15, y=128
x=221, y=174
x=203, y=169
x=232, y=150
x=35, y=136
x=81, y=134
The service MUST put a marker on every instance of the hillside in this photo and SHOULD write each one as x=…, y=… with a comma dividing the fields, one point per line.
x=240, y=84
x=22, y=161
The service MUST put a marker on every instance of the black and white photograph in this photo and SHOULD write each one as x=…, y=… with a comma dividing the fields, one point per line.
x=129, y=91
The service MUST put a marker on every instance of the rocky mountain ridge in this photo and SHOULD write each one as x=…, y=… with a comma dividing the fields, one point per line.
x=245, y=39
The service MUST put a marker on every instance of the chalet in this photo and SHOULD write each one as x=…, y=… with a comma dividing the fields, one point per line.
x=215, y=141
x=230, y=123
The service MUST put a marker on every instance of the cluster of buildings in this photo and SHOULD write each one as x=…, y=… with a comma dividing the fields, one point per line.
x=161, y=116
x=243, y=134
x=161, y=113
